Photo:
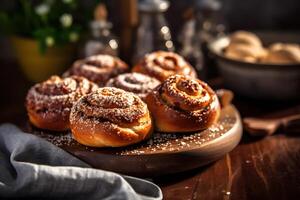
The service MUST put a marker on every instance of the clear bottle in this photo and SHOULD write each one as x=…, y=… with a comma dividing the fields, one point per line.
x=153, y=32
x=210, y=24
x=210, y=19
x=191, y=44
x=101, y=40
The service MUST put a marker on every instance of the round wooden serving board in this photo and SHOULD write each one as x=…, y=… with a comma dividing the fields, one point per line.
x=163, y=153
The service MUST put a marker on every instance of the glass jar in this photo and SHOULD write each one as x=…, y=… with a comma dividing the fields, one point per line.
x=191, y=46
x=101, y=40
x=210, y=19
x=153, y=32
x=210, y=24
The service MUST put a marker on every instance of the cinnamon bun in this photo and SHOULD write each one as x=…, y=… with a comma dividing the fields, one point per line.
x=137, y=83
x=110, y=117
x=162, y=64
x=49, y=103
x=183, y=104
x=98, y=68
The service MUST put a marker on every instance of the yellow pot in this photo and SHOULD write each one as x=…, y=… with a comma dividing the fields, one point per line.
x=38, y=67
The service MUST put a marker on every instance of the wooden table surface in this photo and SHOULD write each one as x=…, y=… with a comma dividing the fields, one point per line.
x=259, y=168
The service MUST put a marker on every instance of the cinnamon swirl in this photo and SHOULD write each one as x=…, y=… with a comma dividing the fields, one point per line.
x=183, y=104
x=99, y=68
x=161, y=65
x=49, y=103
x=140, y=84
x=110, y=117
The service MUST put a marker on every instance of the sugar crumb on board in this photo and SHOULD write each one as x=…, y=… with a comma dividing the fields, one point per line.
x=178, y=142
x=159, y=142
x=58, y=139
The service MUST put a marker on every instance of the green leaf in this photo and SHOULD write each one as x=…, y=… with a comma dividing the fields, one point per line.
x=24, y=21
x=5, y=22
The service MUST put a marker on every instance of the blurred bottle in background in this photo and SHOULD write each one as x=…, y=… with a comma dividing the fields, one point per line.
x=100, y=40
x=204, y=22
x=153, y=32
x=210, y=24
x=210, y=19
x=190, y=43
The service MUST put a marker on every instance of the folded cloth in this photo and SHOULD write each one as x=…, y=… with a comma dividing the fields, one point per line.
x=31, y=167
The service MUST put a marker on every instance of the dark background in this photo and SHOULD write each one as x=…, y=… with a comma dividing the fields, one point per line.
x=239, y=14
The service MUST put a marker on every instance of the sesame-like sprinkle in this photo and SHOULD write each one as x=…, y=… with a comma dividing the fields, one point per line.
x=158, y=143
x=161, y=142
x=58, y=139
x=109, y=104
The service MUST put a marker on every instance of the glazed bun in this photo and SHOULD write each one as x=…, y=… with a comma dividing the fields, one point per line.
x=183, y=104
x=139, y=84
x=162, y=64
x=99, y=68
x=110, y=117
x=49, y=103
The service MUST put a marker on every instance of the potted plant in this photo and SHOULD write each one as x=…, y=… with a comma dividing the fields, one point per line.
x=43, y=36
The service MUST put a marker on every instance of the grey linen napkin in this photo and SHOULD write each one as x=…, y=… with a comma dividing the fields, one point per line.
x=34, y=168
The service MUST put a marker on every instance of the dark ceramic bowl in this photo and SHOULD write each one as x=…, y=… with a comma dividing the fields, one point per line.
x=259, y=80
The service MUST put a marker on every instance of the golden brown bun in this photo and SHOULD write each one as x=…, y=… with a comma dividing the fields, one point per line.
x=280, y=53
x=245, y=46
x=183, y=104
x=245, y=53
x=162, y=64
x=49, y=103
x=139, y=84
x=99, y=68
x=110, y=117
x=245, y=38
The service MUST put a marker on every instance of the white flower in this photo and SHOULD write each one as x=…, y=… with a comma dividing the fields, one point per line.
x=42, y=9
x=66, y=20
x=49, y=41
x=73, y=36
x=113, y=44
x=67, y=1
